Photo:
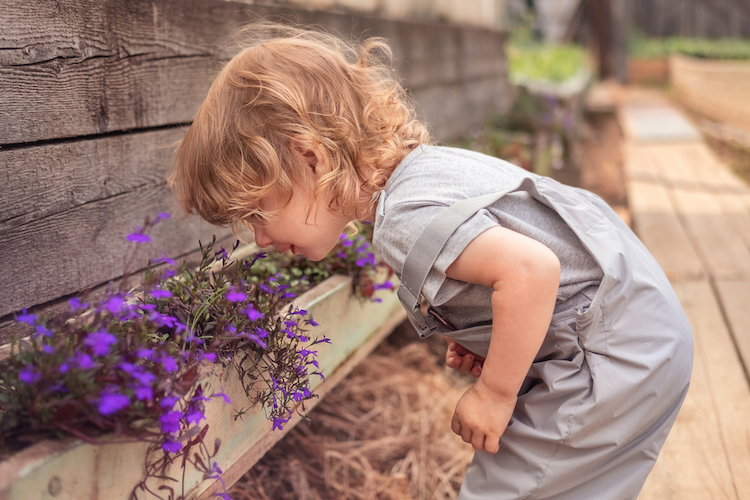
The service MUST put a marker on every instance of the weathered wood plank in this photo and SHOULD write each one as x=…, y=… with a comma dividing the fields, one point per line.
x=693, y=465
x=83, y=68
x=735, y=297
x=716, y=237
x=657, y=225
x=39, y=181
x=85, y=246
x=725, y=377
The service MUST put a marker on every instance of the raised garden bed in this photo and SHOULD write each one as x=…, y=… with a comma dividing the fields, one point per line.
x=717, y=89
x=75, y=470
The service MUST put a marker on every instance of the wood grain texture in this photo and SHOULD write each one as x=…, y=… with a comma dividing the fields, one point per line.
x=693, y=465
x=39, y=181
x=85, y=246
x=77, y=67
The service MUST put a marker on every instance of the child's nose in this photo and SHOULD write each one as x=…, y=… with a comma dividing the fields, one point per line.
x=261, y=238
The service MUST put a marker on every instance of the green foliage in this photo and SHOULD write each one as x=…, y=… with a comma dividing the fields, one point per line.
x=544, y=62
x=724, y=48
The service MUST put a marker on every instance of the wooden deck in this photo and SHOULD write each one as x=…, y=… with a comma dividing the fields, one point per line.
x=693, y=213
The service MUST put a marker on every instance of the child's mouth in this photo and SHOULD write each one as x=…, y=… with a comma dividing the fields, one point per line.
x=293, y=249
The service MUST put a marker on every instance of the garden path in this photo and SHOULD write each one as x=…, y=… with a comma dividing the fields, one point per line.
x=693, y=214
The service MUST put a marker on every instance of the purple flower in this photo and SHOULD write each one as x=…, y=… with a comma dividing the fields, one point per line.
x=145, y=353
x=158, y=293
x=110, y=403
x=100, y=342
x=25, y=317
x=169, y=364
x=305, y=352
x=312, y=322
x=114, y=304
x=165, y=260
x=231, y=329
x=144, y=392
x=171, y=446
x=341, y=255
x=278, y=423
x=64, y=368
x=48, y=349
x=223, y=395
x=163, y=319
x=387, y=285
x=138, y=238
x=261, y=332
x=195, y=416
x=222, y=253
x=170, y=422
x=252, y=313
x=234, y=296
x=255, y=339
x=41, y=330
x=144, y=378
x=347, y=243
x=169, y=273
x=76, y=304
x=28, y=375
x=210, y=356
x=168, y=401
x=160, y=216
x=84, y=361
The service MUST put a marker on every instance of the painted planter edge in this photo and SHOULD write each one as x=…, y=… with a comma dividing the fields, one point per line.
x=72, y=469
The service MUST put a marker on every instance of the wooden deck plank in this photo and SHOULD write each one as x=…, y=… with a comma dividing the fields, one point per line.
x=693, y=465
x=734, y=296
x=716, y=236
x=725, y=376
x=657, y=225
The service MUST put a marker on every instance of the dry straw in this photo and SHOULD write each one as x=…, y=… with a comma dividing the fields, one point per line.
x=383, y=433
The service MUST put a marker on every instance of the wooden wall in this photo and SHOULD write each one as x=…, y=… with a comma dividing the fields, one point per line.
x=699, y=18
x=93, y=93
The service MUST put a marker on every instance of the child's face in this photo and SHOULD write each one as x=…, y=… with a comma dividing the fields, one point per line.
x=310, y=230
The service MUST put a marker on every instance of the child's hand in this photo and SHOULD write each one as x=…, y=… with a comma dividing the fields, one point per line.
x=460, y=358
x=481, y=417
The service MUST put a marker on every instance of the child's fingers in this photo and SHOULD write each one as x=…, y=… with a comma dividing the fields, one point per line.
x=456, y=425
x=491, y=443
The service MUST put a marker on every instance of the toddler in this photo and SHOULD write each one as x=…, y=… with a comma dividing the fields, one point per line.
x=581, y=351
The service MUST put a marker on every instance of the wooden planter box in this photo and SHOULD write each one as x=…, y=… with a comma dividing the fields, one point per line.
x=713, y=88
x=648, y=70
x=74, y=470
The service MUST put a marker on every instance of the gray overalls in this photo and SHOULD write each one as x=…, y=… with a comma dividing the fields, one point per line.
x=609, y=379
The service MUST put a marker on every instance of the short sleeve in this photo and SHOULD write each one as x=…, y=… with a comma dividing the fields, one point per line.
x=403, y=224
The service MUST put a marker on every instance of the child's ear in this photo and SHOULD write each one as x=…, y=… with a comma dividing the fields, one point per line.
x=312, y=155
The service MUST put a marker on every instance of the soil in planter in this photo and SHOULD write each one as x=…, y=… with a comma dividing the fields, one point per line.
x=384, y=432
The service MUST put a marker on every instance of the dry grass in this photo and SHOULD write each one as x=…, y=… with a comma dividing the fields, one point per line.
x=383, y=433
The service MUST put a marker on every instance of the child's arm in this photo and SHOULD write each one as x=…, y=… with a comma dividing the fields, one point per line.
x=525, y=276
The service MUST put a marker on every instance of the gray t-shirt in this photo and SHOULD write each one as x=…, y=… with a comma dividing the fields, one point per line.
x=432, y=178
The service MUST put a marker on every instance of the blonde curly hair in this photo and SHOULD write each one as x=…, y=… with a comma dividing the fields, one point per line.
x=292, y=90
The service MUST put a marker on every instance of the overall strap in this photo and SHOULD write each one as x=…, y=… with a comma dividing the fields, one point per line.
x=427, y=247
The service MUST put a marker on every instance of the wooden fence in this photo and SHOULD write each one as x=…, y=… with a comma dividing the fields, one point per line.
x=94, y=92
x=698, y=18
